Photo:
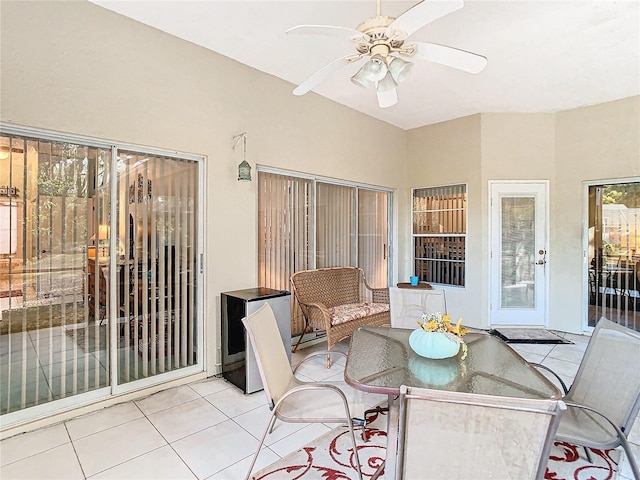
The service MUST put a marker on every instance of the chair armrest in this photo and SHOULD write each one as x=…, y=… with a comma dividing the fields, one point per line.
x=316, y=354
x=316, y=310
x=380, y=295
x=544, y=367
x=621, y=435
x=313, y=310
x=319, y=386
x=593, y=410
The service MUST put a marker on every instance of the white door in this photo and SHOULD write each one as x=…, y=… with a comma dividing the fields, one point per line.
x=518, y=253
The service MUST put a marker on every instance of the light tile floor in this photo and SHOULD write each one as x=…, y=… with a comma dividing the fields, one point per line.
x=204, y=430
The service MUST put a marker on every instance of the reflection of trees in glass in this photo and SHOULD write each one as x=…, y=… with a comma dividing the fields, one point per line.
x=620, y=218
x=66, y=177
x=627, y=194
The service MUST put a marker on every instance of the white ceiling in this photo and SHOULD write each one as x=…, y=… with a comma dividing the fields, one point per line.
x=544, y=56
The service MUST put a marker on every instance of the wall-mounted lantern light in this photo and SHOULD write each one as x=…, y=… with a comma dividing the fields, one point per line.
x=244, y=169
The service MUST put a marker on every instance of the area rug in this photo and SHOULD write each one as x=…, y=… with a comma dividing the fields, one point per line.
x=330, y=457
x=568, y=462
x=528, y=335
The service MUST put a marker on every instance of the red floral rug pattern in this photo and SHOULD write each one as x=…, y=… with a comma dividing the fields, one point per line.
x=330, y=457
x=568, y=462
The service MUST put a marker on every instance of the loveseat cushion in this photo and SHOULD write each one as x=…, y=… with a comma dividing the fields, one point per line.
x=354, y=311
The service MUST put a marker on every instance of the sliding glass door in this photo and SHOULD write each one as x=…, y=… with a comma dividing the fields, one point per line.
x=157, y=263
x=99, y=273
x=614, y=253
x=51, y=348
x=306, y=223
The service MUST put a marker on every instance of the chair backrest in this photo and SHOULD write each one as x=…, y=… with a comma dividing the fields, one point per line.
x=406, y=305
x=331, y=286
x=608, y=378
x=271, y=356
x=456, y=435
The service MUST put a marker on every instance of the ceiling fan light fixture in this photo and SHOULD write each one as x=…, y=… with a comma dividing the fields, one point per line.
x=361, y=79
x=400, y=69
x=375, y=69
x=386, y=84
x=387, y=98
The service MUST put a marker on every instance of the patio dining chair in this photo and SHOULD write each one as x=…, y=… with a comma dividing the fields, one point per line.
x=290, y=399
x=459, y=435
x=406, y=307
x=604, y=399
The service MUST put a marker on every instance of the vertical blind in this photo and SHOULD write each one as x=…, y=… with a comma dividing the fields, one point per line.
x=284, y=242
x=335, y=228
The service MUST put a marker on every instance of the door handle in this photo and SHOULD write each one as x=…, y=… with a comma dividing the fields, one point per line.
x=540, y=262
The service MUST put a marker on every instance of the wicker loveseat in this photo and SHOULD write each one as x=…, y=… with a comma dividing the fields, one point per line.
x=339, y=300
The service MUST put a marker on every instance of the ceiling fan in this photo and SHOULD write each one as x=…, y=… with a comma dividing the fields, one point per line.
x=382, y=42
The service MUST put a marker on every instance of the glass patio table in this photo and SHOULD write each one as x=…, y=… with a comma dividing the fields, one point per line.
x=380, y=360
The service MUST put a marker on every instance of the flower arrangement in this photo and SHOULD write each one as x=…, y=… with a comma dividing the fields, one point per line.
x=437, y=322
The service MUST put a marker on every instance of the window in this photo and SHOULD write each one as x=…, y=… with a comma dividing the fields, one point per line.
x=306, y=222
x=439, y=233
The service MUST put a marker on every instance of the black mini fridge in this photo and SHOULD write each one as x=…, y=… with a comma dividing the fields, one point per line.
x=238, y=360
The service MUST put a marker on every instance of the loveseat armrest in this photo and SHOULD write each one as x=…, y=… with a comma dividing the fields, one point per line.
x=379, y=295
x=317, y=314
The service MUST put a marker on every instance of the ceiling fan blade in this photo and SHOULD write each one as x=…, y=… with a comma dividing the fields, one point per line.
x=449, y=56
x=424, y=12
x=329, y=30
x=387, y=98
x=311, y=82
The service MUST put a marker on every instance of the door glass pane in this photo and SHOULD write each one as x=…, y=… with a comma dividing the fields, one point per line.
x=372, y=236
x=156, y=281
x=335, y=226
x=52, y=326
x=518, y=252
x=614, y=253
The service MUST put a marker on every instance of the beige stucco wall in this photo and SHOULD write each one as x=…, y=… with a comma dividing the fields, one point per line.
x=596, y=143
x=514, y=147
x=442, y=154
x=78, y=68
x=593, y=144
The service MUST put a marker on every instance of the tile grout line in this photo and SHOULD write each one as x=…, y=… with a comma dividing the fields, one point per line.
x=73, y=445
